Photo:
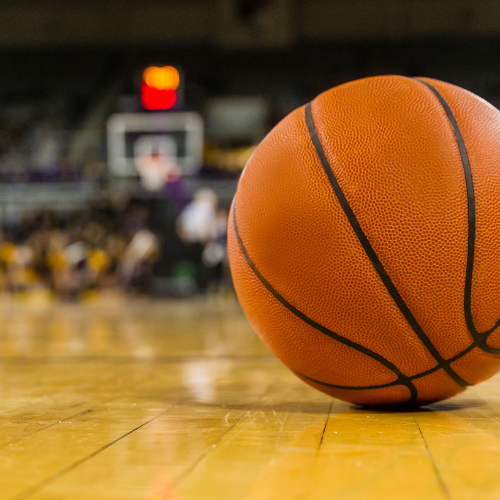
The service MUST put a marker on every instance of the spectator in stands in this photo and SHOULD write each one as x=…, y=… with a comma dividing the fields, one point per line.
x=136, y=266
x=197, y=227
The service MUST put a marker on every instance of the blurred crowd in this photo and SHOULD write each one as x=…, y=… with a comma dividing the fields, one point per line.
x=140, y=246
x=36, y=137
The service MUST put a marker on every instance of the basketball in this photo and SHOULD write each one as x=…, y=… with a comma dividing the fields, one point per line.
x=364, y=241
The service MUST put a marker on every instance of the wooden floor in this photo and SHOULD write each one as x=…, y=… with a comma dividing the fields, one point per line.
x=180, y=401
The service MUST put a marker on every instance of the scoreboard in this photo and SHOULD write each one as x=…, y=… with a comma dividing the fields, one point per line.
x=161, y=88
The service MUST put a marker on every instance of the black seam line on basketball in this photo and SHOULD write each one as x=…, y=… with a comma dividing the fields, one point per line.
x=481, y=338
x=349, y=387
x=395, y=382
x=370, y=252
x=402, y=378
x=448, y=362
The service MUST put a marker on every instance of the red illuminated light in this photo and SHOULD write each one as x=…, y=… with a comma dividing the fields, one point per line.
x=159, y=85
x=153, y=98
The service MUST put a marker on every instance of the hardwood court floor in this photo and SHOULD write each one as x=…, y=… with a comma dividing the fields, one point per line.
x=180, y=401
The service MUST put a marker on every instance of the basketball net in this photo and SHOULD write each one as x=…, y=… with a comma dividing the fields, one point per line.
x=155, y=160
x=154, y=170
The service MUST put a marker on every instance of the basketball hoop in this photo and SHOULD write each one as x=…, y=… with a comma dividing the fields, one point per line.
x=178, y=136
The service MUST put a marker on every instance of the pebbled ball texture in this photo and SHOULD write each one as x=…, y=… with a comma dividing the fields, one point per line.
x=413, y=320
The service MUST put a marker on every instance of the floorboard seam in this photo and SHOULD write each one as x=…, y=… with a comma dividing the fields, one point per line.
x=324, y=428
x=185, y=473
x=118, y=360
x=79, y=414
x=442, y=485
x=35, y=489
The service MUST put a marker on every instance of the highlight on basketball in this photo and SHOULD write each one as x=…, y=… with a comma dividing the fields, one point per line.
x=250, y=249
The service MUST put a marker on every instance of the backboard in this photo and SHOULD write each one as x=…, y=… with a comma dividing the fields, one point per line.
x=177, y=135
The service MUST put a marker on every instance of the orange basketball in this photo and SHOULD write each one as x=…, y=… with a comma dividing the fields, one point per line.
x=364, y=241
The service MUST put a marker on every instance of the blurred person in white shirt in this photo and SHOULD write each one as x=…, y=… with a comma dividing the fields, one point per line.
x=198, y=221
x=197, y=227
